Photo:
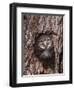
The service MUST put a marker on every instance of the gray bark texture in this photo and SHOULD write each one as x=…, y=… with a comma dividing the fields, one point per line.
x=32, y=26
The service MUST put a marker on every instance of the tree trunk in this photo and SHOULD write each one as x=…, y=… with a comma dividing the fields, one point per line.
x=32, y=26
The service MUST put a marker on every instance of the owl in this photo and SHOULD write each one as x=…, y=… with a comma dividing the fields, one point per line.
x=44, y=49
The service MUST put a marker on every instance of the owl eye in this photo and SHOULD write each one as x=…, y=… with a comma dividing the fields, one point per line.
x=41, y=46
x=49, y=45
